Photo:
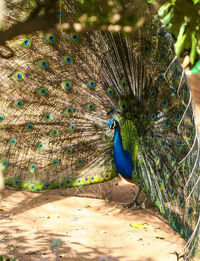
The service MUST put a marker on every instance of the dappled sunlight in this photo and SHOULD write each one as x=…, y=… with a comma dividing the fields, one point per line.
x=89, y=227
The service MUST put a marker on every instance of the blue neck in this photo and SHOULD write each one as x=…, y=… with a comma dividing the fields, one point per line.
x=122, y=158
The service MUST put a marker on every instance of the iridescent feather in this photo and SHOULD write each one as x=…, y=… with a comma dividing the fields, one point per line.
x=56, y=93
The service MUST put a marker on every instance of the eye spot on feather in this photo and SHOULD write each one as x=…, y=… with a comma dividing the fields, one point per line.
x=180, y=145
x=167, y=123
x=29, y=127
x=78, y=182
x=67, y=59
x=50, y=38
x=12, y=142
x=32, y=167
x=105, y=137
x=66, y=85
x=123, y=84
x=2, y=118
x=95, y=126
x=83, y=143
x=91, y=84
x=68, y=182
x=98, y=150
x=75, y=37
x=42, y=63
x=47, y=117
x=157, y=160
x=153, y=94
x=60, y=14
x=17, y=182
x=40, y=145
x=18, y=103
x=69, y=110
x=5, y=163
x=110, y=92
x=190, y=211
x=72, y=127
x=68, y=150
x=134, y=174
x=18, y=76
x=25, y=42
x=56, y=162
x=42, y=91
x=165, y=103
x=139, y=182
x=178, y=117
x=53, y=133
x=173, y=161
x=90, y=107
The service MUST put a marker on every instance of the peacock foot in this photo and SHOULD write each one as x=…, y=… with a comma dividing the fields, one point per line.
x=133, y=202
x=139, y=206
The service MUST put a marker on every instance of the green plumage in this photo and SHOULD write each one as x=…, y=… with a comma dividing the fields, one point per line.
x=130, y=138
x=56, y=92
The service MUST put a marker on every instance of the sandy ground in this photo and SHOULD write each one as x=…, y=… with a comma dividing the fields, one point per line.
x=90, y=222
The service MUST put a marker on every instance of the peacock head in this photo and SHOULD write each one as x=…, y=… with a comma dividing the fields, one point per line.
x=113, y=124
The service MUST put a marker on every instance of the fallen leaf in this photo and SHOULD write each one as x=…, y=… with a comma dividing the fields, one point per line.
x=138, y=226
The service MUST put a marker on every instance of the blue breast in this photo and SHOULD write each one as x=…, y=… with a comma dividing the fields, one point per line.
x=122, y=158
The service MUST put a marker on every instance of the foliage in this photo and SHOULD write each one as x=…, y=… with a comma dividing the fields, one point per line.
x=183, y=20
x=181, y=17
x=7, y=259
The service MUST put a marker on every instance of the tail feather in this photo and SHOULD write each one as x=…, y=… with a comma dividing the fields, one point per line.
x=57, y=93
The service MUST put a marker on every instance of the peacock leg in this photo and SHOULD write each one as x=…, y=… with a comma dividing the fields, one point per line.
x=134, y=205
x=139, y=206
x=133, y=201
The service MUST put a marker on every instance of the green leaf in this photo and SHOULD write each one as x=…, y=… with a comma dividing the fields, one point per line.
x=163, y=9
x=180, y=39
x=167, y=18
x=1, y=258
x=193, y=51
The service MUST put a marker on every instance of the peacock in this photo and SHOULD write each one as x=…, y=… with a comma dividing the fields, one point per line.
x=81, y=108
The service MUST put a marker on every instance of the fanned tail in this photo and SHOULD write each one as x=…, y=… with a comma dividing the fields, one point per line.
x=56, y=93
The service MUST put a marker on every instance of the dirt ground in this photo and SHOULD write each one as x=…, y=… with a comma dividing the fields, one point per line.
x=91, y=223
